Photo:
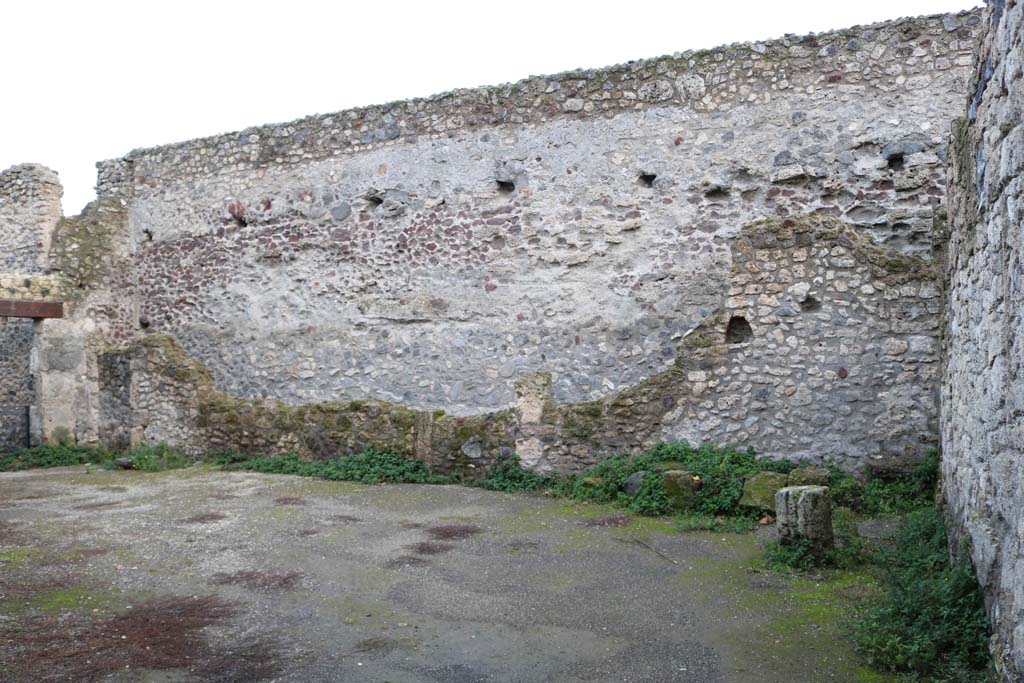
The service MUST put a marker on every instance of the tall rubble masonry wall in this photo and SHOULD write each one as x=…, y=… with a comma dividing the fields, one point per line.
x=983, y=377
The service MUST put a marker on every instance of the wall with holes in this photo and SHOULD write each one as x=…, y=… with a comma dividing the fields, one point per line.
x=428, y=252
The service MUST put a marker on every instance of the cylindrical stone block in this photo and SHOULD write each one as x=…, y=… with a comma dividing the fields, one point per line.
x=805, y=513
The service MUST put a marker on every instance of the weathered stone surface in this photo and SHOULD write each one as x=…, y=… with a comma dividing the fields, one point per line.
x=681, y=488
x=982, y=420
x=804, y=513
x=634, y=482
x=809, y=476
x=759, y=490
x=603, y=229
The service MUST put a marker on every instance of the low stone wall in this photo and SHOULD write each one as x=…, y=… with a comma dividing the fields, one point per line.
x=983, y=379
x=153, y=393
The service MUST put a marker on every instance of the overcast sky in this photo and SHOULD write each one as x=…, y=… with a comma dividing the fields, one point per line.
x=89, y=80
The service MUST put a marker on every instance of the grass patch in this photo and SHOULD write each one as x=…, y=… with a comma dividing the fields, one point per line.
x=887, y=497
x=721, y=470
x=368, y=467
x=926, y=623
x=929, y=620
x=52, y=456
x=144, y=458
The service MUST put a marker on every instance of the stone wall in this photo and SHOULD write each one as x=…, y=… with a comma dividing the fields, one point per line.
x=983, y=380
x=429, y=252
x=29, y=206
x=29, y=202
x=820, y=324
x=573, y=236
x=826, y=351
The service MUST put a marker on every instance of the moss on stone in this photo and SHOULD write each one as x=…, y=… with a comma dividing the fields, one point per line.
x=81, y=245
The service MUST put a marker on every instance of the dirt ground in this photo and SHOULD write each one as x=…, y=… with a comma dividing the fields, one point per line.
x=200, y=576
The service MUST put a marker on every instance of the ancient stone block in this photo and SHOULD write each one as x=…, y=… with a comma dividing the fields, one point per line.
x=681, y=488
x=634, y=483
x=804, y=513
x=809, y=476
x=759, y=490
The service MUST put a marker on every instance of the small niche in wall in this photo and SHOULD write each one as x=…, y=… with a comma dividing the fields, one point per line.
x=647, y=179
x=738, y=330
x=810, y=304
x=895, y=162
x=506, y=186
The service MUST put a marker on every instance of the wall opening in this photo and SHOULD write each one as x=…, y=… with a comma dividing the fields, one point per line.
x=810, y=304
x=738, y=331
x=647, y=179
x=896, y=162
x=506, y=186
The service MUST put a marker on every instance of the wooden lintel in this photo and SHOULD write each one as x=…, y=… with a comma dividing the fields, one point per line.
x=12, y=308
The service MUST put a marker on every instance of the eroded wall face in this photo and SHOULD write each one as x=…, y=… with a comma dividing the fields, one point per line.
x=383, y=277
x=983, y=382
x=29, y=205
x=430, y=252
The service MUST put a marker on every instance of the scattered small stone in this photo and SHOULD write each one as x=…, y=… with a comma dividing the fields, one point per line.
x=610, y=521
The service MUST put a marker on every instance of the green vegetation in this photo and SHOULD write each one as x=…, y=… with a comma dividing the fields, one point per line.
x=510, y=477
x=929, y=620
x=52, y=456
x=155, y=458
x=882, y=497
x=721, y=470
x=716, y=502
x=368, y=467
x=146, y=458
x=850, y=549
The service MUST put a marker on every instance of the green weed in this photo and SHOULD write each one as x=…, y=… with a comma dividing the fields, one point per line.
x=146, y=458
x=368, y=467
x=929, y=620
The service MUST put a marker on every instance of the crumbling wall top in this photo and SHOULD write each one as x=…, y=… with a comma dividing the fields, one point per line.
x=886, y=56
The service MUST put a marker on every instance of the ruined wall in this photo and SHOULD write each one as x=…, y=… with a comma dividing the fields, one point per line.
x=825, y=352
x=578, y=236
x=29, y=207
x=983, y=380
x=428, y=252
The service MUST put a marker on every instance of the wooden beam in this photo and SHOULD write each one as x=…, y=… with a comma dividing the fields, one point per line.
x=12, y=308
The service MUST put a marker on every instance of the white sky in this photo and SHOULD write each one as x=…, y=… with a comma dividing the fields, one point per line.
x=89, y=80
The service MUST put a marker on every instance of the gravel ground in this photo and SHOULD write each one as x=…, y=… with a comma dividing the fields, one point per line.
x=332, y=581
